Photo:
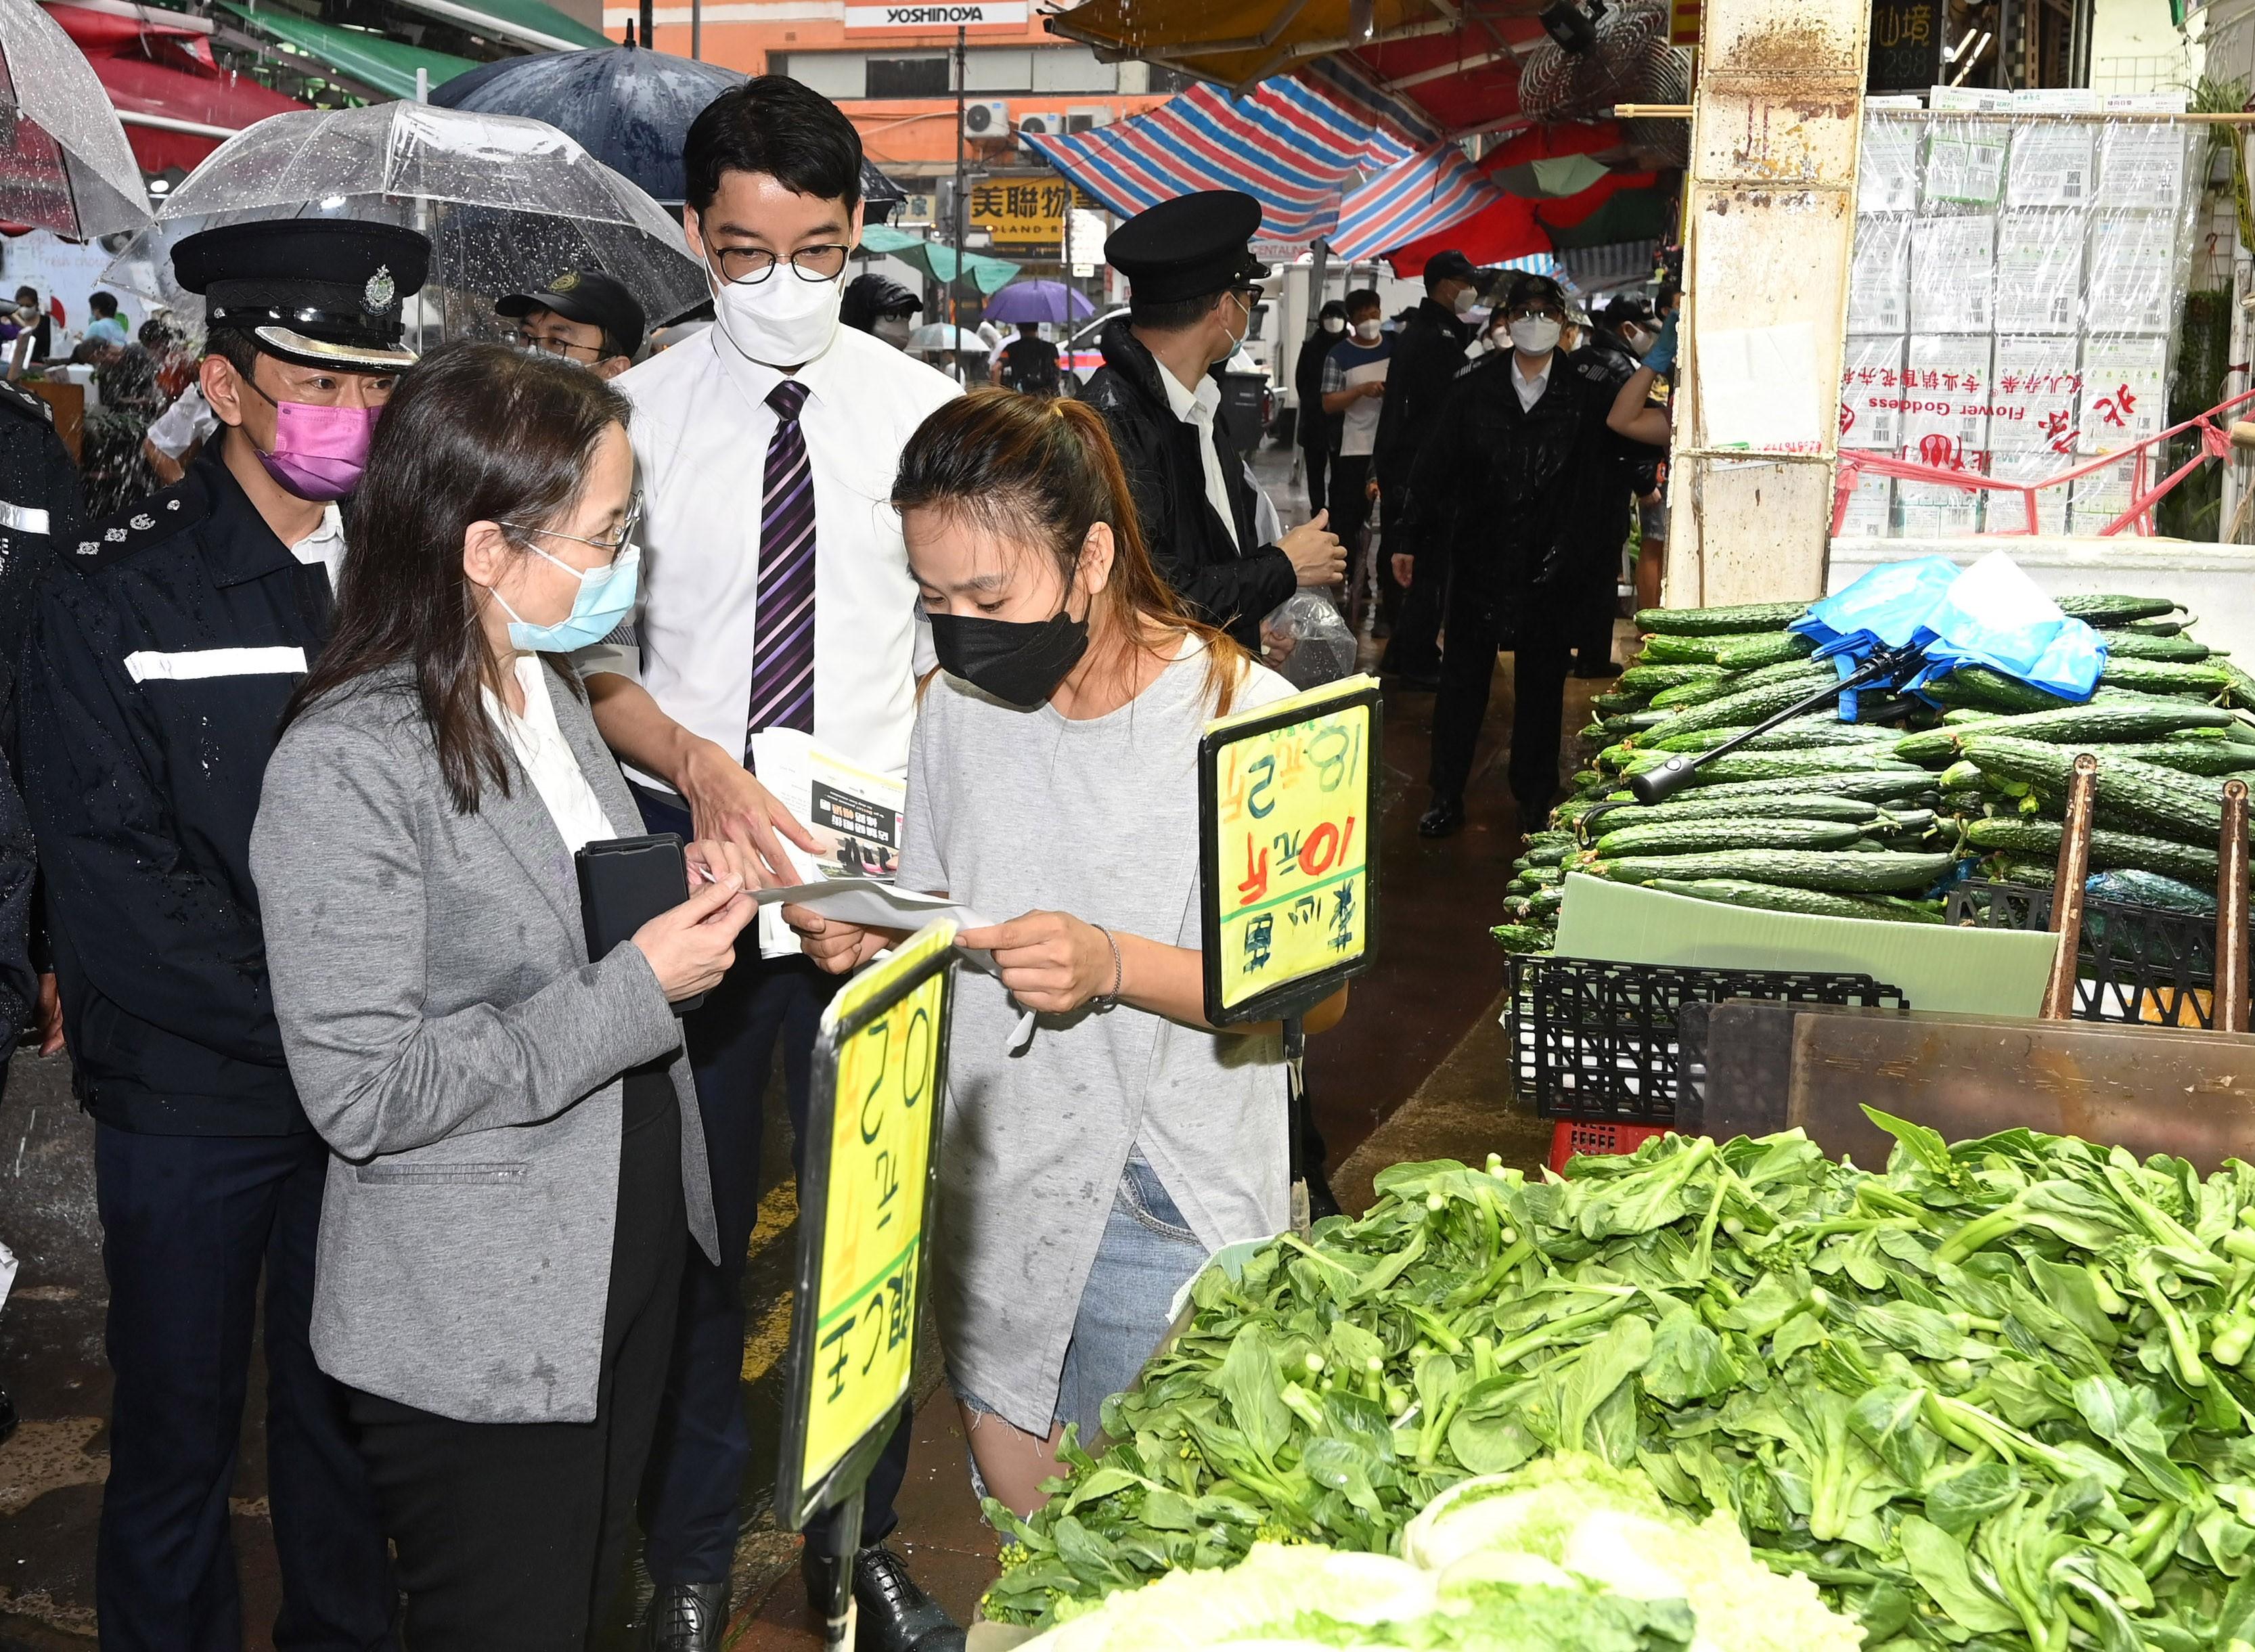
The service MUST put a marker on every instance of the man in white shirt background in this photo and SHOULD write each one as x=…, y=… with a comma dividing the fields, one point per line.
x=776, y=594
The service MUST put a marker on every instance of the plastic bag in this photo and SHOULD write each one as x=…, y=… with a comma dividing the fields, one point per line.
x=1991, y=613
x=1322, y=648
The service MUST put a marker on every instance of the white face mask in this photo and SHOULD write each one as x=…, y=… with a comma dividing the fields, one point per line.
x=1334, y=324
x=1368, y=331
x=1536, y=334
x=1637, y=340
x=1463, y=301
x=782, y=321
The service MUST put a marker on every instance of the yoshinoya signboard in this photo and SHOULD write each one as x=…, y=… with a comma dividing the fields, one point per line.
x=962, y=14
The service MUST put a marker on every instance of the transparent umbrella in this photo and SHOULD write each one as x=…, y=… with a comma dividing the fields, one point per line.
x=65, y=165
x=508, y=203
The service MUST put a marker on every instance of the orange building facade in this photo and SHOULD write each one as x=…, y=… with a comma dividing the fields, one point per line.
x=892, y=68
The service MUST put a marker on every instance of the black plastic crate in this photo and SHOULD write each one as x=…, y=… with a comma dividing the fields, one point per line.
x=2135, y=963
x=1594, y=1039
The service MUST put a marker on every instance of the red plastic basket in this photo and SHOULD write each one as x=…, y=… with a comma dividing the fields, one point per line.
x=1569, y=1137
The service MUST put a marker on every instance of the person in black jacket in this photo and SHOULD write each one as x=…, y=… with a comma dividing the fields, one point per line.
x=1192, y=282
x=1523, y=477
x=154, y=677
x=1429, y=353
x=1318, y=431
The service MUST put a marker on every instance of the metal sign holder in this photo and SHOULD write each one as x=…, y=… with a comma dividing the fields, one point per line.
x=802, y=1490
x=1290, y=1000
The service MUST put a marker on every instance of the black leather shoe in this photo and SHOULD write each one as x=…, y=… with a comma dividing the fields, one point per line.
x=687, y=1617
x=893, y=1615
x=1444, y=819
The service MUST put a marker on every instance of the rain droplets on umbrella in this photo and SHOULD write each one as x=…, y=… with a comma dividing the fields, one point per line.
x=508, y=203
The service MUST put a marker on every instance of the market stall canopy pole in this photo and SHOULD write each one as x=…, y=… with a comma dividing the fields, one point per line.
x=1780, y=97
x=65, y=163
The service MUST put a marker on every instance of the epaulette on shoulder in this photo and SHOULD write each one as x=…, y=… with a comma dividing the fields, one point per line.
x=18, y=400
x=140, y=526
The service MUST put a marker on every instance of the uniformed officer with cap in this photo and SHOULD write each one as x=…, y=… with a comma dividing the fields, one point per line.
x=582, y=315
x=1192, y=282
x=153, y=685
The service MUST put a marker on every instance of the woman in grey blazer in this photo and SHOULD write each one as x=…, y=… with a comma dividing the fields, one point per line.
x=516, y=1159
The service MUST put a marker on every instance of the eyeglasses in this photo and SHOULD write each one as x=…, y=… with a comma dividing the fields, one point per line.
x=1545, y=311
x=613, y=547
x=748, y=266
x=556, y=344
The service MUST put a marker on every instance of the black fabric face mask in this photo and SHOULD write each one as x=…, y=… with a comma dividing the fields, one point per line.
x=1019, y=662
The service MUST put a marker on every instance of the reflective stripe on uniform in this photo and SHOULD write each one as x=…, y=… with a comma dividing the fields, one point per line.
x=147, y=665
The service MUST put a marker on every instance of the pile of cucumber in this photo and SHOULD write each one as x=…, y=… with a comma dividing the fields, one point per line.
x=1849, y=820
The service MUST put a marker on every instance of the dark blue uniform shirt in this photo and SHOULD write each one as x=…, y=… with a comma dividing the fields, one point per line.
x=152, y=688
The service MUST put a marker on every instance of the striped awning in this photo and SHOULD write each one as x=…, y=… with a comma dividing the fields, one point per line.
x=1421, y=196
x=1321, y=161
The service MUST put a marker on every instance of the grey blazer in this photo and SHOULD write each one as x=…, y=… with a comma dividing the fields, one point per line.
x=461, y=1056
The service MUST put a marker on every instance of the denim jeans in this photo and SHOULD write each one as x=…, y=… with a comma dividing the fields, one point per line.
x=1147, y=1254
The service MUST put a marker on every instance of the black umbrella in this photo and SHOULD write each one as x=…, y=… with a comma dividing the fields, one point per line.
x=628, y=108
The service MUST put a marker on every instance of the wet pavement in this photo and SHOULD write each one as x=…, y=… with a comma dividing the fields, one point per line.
x=1421, y=1024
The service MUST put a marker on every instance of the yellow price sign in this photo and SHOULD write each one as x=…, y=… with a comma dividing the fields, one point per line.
x=872, y=1130
x=1289, y=803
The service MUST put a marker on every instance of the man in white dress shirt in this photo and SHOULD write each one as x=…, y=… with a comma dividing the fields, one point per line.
x=776, y=594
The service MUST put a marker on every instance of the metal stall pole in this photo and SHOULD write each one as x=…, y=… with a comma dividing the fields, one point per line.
x=957, y=279
x=2067, y=888
x=2230, y=1014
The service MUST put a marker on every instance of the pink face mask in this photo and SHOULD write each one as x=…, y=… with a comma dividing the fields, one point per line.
x=320, y=451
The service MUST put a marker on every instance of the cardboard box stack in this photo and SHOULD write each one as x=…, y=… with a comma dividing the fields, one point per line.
x=2036, y=266
x=1870, y=421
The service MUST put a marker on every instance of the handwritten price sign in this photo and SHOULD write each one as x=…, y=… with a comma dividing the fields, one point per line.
x=880, y=1062
x=1289, y=798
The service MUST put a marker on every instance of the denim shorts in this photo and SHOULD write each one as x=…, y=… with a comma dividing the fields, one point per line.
x=1147, y=1254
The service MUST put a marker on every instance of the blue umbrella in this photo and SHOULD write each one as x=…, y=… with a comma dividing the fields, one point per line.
x=628, y=108
x=1039, y=301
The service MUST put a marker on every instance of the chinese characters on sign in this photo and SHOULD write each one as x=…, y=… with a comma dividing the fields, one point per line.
x=1023, y=212
x=1291, y=823
x=887, y=1073
x=1906, y=45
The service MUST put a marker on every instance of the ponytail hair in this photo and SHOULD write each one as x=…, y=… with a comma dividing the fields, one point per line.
x=1040, y=472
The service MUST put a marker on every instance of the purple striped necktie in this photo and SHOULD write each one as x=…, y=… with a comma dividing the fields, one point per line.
x=782, y=645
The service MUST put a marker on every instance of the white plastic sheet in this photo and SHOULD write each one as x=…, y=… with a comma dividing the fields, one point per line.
x=2037, y=260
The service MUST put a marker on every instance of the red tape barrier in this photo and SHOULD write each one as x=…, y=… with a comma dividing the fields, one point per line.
x=2215, y=443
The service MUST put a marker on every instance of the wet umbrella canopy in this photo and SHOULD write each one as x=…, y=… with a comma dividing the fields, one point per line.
x=1039, y=301
x=629, y=109
x=508, y=204
x=65, y=165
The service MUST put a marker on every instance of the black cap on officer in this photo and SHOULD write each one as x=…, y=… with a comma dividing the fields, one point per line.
x=1190, y=247
x=1450, y=265
x=590, y=298
x=1526, y=287
x=318, y=291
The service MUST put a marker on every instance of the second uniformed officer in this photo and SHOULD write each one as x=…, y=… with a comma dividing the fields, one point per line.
x=153, y=685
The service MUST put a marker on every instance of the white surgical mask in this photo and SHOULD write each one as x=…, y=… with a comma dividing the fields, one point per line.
x=1637, y=340
x=1334, y=324
x=1367, y=331
x=1463, y=301
x=1536, y=334
x=894, y=330
x=782, y=321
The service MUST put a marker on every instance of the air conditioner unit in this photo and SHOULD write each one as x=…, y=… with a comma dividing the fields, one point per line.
x=1040, y=124
x=986, y=120
x=1087, y=119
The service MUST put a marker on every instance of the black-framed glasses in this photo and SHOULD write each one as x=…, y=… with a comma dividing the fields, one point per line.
x=628, y=524
x=748, y=266
x=556, y=344
x=1542, y=310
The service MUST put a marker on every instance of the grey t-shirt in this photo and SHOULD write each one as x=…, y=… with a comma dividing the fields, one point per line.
x=1011, y=811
